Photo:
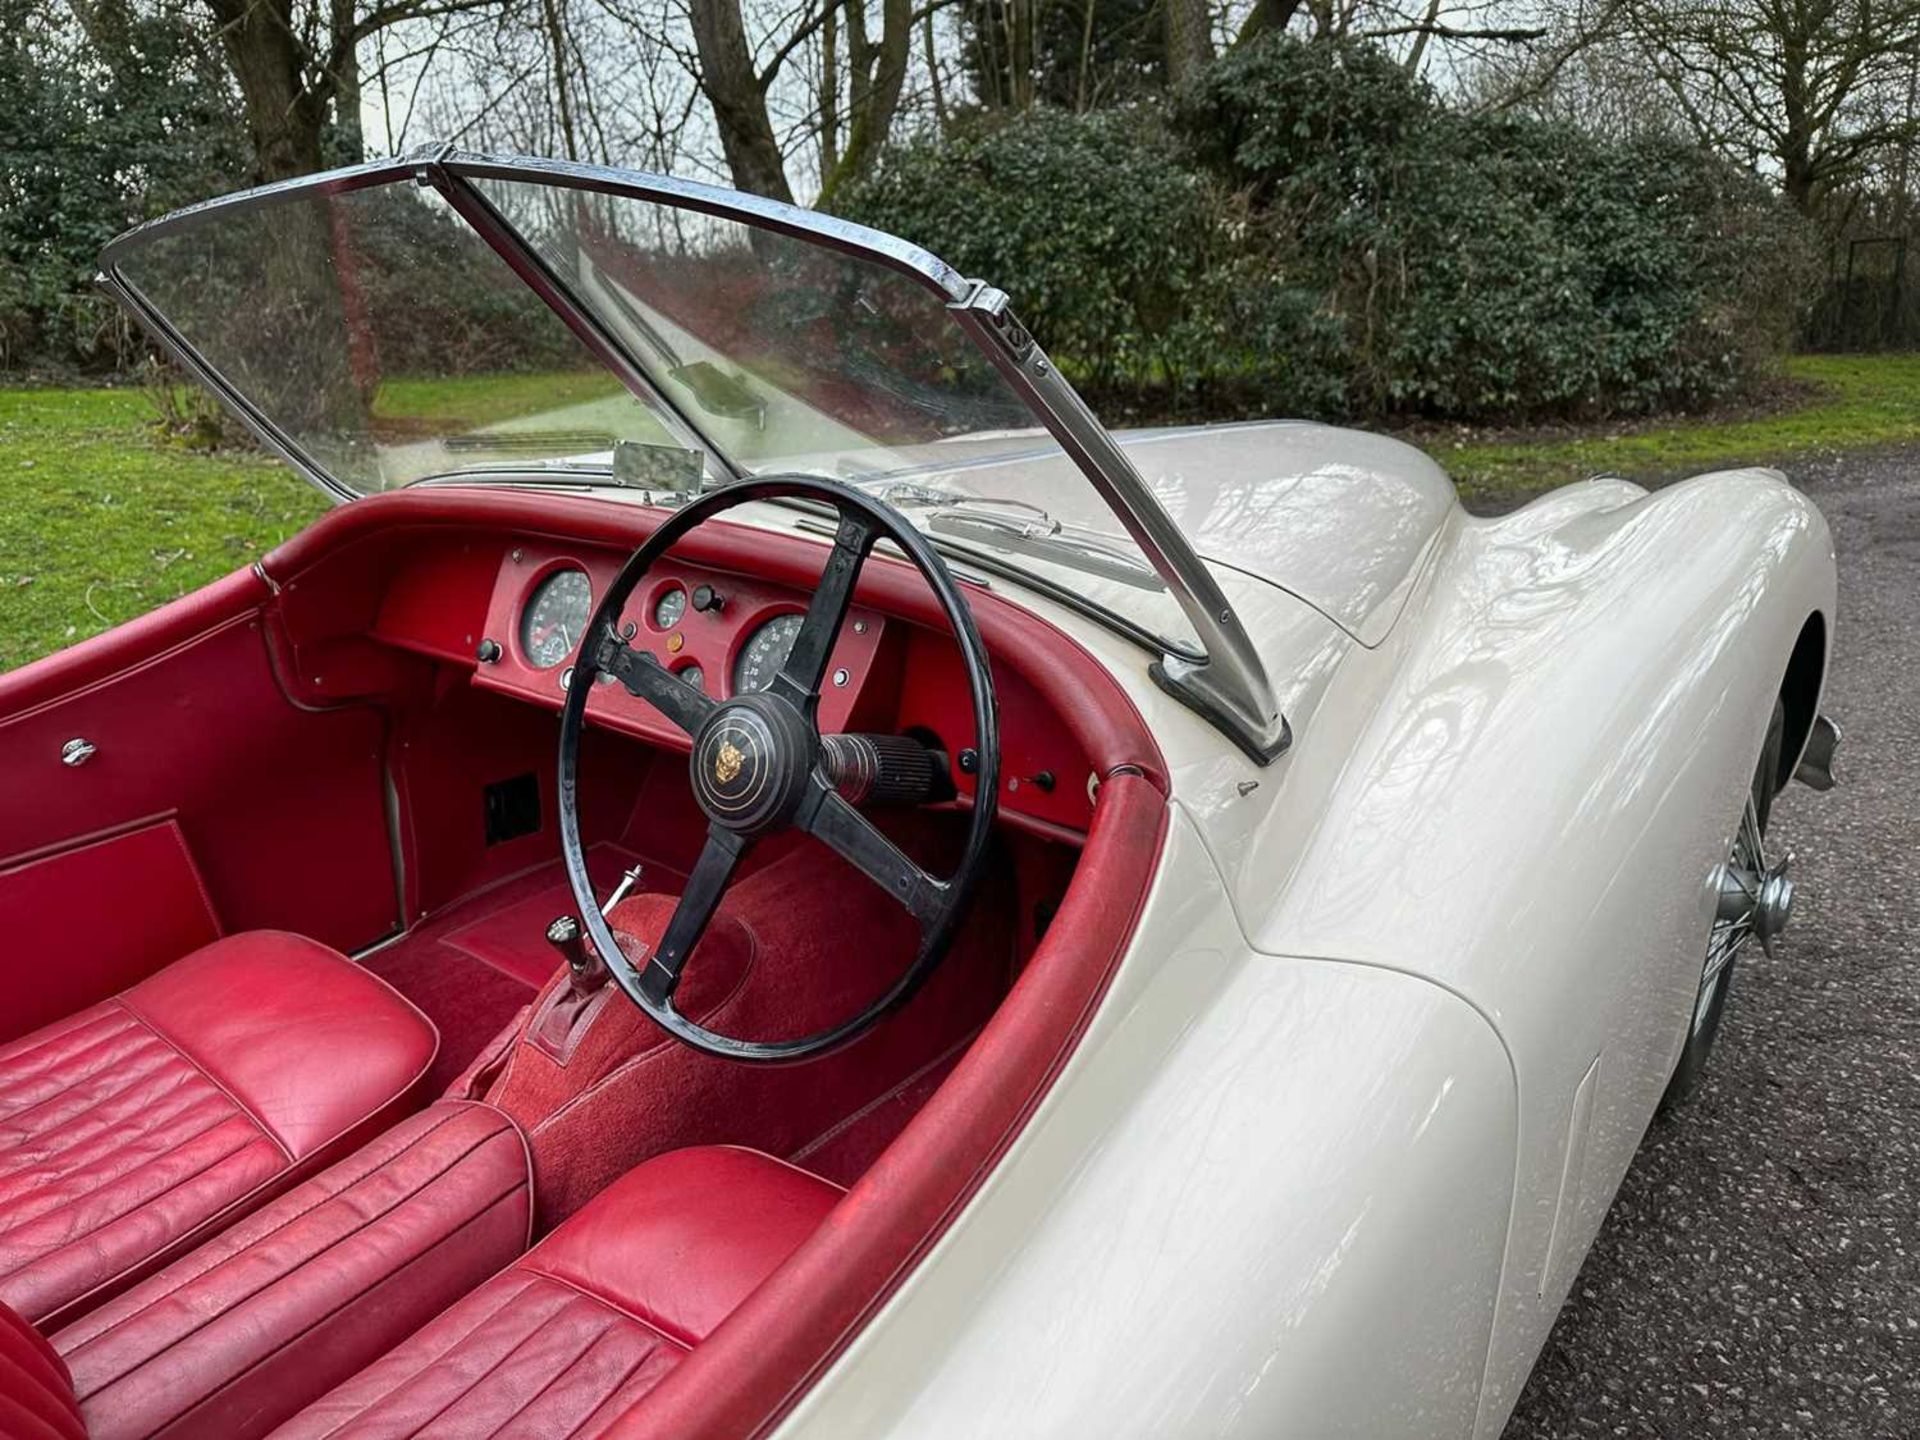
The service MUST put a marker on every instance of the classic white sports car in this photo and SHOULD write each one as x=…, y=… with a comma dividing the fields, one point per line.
x=1032, y=931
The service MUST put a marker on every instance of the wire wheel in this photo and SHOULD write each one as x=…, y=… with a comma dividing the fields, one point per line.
x=1756, y=900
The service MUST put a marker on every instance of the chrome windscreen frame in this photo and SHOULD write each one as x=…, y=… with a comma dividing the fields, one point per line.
x=1229, y=686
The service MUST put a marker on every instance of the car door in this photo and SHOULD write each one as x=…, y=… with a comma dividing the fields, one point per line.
x=163, y=788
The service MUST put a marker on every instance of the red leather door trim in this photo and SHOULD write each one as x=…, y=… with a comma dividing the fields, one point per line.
x=284, y=808
x=144, y=907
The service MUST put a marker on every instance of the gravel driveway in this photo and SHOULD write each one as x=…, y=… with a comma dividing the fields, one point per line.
x=1760, y=1272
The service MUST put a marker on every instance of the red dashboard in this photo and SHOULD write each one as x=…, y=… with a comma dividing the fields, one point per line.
x=532, y=653
x=513, y=609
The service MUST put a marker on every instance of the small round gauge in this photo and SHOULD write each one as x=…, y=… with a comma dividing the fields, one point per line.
x=764, y=653
x=556, y=617
x=694, y=676
x=668, y=609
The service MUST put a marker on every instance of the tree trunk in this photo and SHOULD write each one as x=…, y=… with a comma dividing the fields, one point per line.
x=346, y=85
x=879, y=71
x=1189, y=40
x=284, y=119
x=557, y=48
x=739, y=104
x=830, y=91
x=1267, y=16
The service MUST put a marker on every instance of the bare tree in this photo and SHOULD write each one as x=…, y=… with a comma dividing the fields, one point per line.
x=738, y=93
x=1410, y=28
x=876, y=71
x=296, y=62
x=1811, y=92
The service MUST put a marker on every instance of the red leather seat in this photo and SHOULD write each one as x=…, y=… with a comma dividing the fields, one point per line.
x=139, y=1127
x=576, y=1331
x=280, y=1307
x=36, y=1394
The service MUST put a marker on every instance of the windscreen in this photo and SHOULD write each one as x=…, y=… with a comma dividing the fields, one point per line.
x=390, y=341
x=386, y=339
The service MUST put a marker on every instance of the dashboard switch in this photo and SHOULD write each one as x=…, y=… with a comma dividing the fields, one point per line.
x=708, y=599
x=487, y=652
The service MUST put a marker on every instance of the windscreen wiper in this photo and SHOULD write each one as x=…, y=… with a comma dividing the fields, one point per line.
x=548, y=472
x=1042, y=538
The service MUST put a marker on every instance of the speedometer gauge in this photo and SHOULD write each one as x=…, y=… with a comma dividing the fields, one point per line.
x=556, y=617
x=764, y=653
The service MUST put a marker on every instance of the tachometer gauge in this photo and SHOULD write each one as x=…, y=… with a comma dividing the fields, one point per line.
x=668, y=609
x=764, y=653
x=694, y=676
x=556, y=617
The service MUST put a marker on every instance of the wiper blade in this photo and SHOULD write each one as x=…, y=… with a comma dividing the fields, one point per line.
x=905, y=494
x=1045, y=539
x=569, y=477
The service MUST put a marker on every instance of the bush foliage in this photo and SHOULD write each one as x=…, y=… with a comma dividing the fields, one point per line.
x=93, y=139
x=1309, y=230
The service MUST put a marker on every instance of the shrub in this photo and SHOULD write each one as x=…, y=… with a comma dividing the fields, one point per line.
x=1484, y=266
x=1312, y=231
x=1092, y=223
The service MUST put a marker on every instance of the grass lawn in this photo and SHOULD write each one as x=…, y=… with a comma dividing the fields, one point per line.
x=101, y=520
x=468, y=401
x=1853, y=402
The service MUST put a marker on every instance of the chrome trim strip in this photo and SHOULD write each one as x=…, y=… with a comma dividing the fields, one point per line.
x=1230, y=684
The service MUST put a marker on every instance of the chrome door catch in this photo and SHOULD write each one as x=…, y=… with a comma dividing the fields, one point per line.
x=76, y=752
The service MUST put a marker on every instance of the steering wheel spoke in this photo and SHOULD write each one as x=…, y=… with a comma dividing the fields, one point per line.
x=708, y=882
x=799, y=678
x=647, y=679
x=831, y=819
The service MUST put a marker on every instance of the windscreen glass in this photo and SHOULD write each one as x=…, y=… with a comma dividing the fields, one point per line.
x=390, y=341
x=385, y=338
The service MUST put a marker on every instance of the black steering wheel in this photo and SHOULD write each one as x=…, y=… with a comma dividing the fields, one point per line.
x=759, y=764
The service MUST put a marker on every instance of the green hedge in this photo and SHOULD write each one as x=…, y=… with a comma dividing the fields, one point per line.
x=1309, y=230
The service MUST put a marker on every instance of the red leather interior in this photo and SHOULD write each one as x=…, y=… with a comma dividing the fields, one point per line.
x=240, y=1334
x=800, y=941
x=36, y=1393
x=283, y=808
x=160, y=911
x=1095, y=709
x=345, y=682
x=134, y=1129
x=580, y=1328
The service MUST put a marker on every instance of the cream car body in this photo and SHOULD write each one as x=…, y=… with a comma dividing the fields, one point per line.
x=1416, y=965
x=1401, y=1004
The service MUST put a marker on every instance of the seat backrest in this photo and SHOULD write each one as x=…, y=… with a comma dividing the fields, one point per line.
x=36, y=1393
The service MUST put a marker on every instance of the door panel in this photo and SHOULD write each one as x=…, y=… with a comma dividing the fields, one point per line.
x=281, y=809
x=142, y=905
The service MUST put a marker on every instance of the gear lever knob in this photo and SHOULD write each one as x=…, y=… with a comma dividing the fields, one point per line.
x=566, y=935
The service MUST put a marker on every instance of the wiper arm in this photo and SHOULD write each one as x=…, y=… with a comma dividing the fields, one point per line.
x=555, y=473
x=905, y=495
x=1044, y=539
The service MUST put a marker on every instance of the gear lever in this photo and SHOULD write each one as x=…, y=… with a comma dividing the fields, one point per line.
x=586, y=970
